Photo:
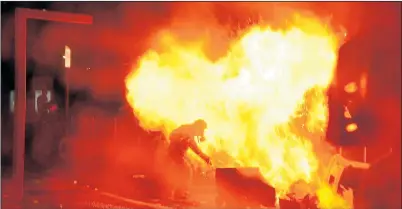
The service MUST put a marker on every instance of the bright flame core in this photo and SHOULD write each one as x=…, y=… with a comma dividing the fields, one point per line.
x=264, y=100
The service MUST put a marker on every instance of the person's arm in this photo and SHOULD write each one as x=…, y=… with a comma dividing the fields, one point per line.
x=201, y=134
x=193, y=146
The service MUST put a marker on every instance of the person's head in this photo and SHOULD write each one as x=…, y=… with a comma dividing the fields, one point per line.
x=44, y=89
x=200, y=123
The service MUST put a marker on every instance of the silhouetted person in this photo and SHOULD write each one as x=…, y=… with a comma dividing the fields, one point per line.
x=46, y=132
x=42, y=101
x=181, y=139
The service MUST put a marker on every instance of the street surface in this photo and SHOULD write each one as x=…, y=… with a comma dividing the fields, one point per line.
x=58, y=191
x=53, y=192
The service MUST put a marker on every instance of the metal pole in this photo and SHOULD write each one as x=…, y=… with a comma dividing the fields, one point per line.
x=20, y=103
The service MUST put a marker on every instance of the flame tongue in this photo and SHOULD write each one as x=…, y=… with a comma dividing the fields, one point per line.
x=263, y=100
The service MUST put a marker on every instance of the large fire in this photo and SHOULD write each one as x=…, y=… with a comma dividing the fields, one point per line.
x=264, y=100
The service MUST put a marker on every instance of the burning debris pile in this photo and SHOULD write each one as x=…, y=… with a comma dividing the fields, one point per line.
x=263, y=97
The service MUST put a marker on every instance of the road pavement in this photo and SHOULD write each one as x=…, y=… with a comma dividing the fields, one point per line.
x=53, y=192
x=61, y=192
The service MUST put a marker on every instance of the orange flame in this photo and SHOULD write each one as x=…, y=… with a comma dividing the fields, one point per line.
x=264, y=100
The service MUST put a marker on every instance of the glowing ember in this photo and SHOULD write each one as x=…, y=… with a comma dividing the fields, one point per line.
x=264, y=100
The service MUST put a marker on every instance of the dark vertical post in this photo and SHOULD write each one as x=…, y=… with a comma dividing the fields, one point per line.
x=20, y=102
